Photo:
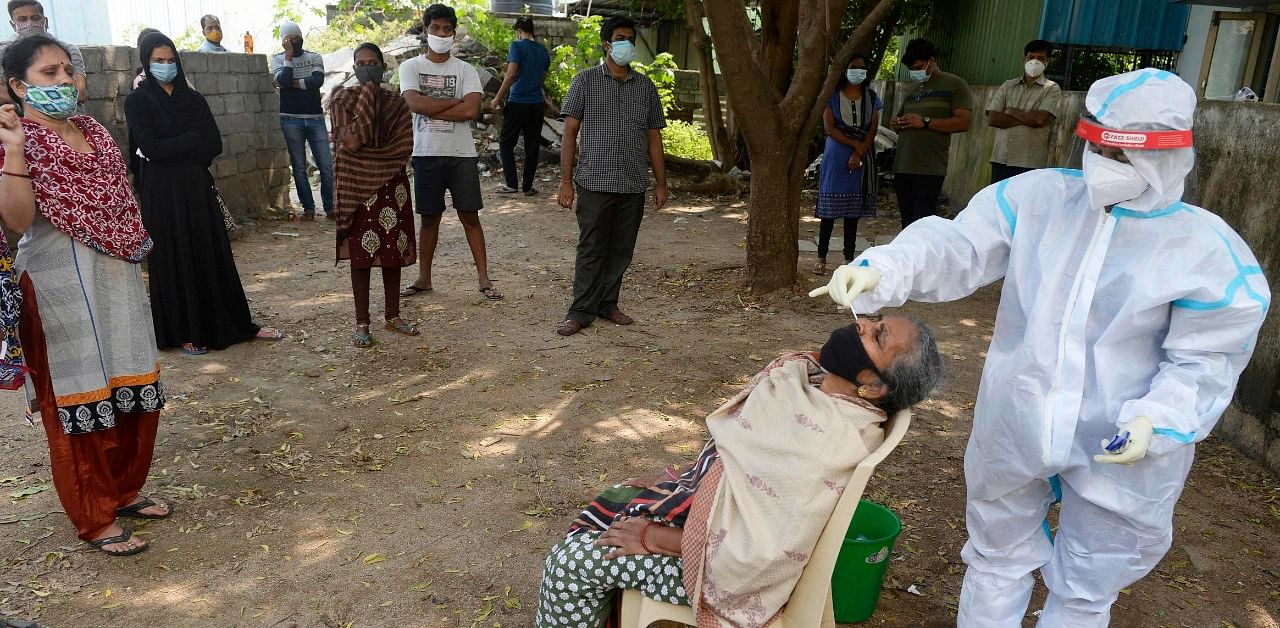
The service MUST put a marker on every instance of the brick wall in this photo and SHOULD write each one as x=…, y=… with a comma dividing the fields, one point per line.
x=253, y=170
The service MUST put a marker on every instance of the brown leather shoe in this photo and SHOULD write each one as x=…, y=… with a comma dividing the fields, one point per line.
x=569, y=327
x=618, y=318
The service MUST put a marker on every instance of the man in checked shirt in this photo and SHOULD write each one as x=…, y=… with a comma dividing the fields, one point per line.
x=613, y=124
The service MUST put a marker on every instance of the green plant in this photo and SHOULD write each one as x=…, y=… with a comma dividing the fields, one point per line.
x=662, y=73
x=349, y=32
x=567, y=61
x=190, y=39
x=686, y=139
x=476, y=21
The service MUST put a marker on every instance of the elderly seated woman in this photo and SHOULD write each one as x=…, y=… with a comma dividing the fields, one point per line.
x=732, y=531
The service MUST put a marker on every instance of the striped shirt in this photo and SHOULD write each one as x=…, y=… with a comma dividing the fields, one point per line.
x=613, y=141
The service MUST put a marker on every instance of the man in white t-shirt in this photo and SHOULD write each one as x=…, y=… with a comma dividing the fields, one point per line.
x=443, y=93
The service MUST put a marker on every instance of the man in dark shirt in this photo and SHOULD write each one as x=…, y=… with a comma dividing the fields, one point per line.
x=527, y=63
x=298, y=75
x=620, y=117
x=938, y=105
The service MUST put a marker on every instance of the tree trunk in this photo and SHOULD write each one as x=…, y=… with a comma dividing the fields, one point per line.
x=719, y=136
x=777, y=123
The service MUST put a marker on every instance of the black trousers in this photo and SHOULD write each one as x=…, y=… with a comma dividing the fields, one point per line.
x=608, y=225
x=826, y=226
x=1000, y=172
x=520, y=120
x=917, y=195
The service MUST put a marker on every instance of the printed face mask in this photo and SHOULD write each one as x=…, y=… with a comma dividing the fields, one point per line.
x=369, y=74
x=30, y=27
x=439, y=45
x=1034, y=68
x=623, y=52
x=856, y=75
x=55, y=101
x=164, y=72
x=1109, y=181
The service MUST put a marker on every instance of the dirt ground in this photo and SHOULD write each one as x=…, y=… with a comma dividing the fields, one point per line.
x=421, y=482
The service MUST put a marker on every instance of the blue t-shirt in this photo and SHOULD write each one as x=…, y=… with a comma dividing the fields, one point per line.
x=534, y=61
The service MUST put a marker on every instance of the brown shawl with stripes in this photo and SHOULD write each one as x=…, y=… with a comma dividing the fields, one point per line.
x=379, y=119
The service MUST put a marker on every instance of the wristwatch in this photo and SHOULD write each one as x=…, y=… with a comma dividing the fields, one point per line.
x=927, y=120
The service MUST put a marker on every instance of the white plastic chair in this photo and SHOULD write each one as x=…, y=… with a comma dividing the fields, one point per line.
x=810, y=603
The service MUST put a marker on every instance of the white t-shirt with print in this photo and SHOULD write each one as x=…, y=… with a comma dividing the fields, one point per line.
x=452, y=79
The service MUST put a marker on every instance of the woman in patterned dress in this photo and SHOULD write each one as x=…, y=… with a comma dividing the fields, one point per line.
x=85, y=324
x=373, y=139
x=847, y=179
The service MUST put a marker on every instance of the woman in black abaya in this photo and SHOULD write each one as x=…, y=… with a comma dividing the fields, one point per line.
x=197, y=301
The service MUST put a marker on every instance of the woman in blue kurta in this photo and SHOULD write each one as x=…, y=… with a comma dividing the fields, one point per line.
x=847, y=183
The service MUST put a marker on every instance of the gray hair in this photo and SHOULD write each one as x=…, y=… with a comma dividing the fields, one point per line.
x=913, y=376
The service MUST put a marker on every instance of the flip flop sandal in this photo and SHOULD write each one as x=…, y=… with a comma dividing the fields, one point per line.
x=491, y=294
x=191, y=349
x=502, y=189
x=399, y=326
x=100, y=544
x=134, y=511
x=411, y=290
x=363, y=339
x=268, y=333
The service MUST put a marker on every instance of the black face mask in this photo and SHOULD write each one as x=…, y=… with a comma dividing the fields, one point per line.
x=369, y=73
x=844, y=354
x=297, y=47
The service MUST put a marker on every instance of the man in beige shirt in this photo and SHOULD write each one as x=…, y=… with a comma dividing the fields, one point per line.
x=1021, y=112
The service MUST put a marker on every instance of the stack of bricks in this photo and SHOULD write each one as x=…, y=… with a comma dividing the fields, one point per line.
x=253, y=171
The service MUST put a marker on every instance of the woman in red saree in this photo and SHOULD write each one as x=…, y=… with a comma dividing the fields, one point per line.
x=373, y=139
x=85, y=323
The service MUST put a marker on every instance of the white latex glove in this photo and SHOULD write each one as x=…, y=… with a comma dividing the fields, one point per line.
x=847, y=282
x=1139, y=432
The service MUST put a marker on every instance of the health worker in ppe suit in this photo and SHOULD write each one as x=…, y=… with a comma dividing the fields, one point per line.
x=1125, y=319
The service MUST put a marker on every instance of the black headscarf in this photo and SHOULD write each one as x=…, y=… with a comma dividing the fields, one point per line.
x=184, y=104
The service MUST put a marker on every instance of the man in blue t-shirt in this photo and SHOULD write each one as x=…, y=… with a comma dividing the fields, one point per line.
x=527, y=63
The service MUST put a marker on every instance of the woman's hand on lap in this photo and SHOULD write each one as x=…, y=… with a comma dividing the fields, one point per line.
x=624, y=537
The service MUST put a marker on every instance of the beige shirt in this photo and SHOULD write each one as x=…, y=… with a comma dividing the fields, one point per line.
x=1023, y=146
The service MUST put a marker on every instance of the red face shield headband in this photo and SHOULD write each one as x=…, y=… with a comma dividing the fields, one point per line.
x=1091, y=131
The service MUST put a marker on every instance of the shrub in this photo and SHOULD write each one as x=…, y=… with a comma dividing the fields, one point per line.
x=686, y=139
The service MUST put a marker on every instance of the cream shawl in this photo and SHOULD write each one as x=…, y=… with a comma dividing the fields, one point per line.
x=787, y=450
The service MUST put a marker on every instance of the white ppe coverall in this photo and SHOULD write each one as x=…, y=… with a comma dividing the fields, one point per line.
x=1150, y=309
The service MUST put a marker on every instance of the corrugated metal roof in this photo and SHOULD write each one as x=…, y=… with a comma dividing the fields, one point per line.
x=1137, y=24
x=981, y=40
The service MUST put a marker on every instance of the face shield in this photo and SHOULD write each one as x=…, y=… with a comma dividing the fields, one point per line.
x=1147, y=115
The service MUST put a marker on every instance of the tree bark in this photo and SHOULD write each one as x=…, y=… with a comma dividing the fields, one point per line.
x=779, y=20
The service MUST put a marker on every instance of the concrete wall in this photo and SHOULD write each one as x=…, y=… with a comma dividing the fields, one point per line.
x=1234, y=177
x=253, y=171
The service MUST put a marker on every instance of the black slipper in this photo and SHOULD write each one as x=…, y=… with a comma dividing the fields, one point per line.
x=134, y=510
x=100, y=544
x=411, y=290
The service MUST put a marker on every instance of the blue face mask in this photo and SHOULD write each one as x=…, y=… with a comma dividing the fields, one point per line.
x=919, y=76
x=164, y=72
x=856, y=75
x=623, y=52
x=55, y=101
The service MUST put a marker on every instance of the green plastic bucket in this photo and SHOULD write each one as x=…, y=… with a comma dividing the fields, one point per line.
x=864, y=558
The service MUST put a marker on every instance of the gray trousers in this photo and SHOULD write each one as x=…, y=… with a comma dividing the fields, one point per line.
x=608, y=224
